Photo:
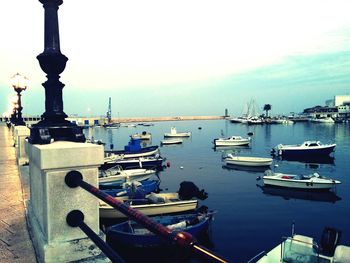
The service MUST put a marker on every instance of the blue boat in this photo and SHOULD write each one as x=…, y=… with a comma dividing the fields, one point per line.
x=132, y=234
x=133, y=150
x=131, y=188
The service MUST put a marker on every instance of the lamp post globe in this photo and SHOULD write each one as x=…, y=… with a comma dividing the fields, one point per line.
x=19, y=84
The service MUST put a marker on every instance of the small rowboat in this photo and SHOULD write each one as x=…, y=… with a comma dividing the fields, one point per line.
x=171, y=141
x=132, y=234
x=153, y=204
x=312, y=181
x=247, y=161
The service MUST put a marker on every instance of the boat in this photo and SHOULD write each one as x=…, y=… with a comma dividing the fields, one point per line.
x=255, y=121
x=132, y=234
x=308, y=148
x=116, y=175
x=132, y=150
x=311, y=182
x=174, y=133
x=231, y=141
x=140, y=162
x=247, y=160
x=171, y=141
x=112, y=125
x=153, y=204
x=131, y=188
x=322, y=120
x=300, y=248
x=141, y=136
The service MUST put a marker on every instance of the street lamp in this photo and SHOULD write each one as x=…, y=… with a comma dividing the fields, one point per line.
x=19, y=84
x=53, y=125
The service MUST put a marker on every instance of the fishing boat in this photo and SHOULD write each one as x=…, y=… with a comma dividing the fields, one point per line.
x=112, y=125
x=310, y=148
x=231, y=141
x=141, y=162
x=174, y=133
x=116, y=175
x=131, y=188
x=153, y=204
x=311, y=182
x=300, y=248
x=141, y=136
x=132, y=234
x=171, y=141
x=132, y=150
x=247, y=161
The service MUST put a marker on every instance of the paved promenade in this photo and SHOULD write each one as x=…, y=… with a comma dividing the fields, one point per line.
x=15, y=244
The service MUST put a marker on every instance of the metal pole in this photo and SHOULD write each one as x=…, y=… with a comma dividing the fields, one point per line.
x=183, y=239
x=75, y=218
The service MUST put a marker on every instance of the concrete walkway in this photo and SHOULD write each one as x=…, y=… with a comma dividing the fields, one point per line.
x=15, y=244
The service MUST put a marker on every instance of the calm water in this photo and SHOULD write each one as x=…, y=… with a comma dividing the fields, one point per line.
x=249, y=219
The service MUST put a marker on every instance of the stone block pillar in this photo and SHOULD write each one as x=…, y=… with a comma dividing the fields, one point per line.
x=21, y=133
x=51, y=199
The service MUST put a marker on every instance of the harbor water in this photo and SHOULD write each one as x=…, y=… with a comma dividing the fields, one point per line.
x=249, y=217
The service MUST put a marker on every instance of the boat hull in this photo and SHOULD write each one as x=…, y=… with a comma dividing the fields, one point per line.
x=147, y=151
x=299, y=184
x=138, y=236
x=248, y=161
x=107, y=211
x=134, y=163
x=306, y=152
x=170, y=142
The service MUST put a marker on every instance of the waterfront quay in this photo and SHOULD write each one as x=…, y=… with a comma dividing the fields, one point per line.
x=15, y=244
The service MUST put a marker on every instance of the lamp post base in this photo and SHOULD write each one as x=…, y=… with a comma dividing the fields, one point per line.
x=45, y=133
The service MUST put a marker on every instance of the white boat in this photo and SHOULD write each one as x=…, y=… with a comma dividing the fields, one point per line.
x=118, y=174
x=322, y=120
x=309, y=148
x=312, y=181
x=171, y=141
x=154, y=204
x=141, y=136
x=231, y=141
x=303, y=249
x=247, y=161
x=174, y=133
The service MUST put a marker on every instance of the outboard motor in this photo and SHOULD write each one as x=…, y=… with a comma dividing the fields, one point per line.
x=188, y=190
x=329, y=240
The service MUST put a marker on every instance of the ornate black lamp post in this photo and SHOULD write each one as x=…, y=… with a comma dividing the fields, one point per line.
x=19, y=84
x=53, y=124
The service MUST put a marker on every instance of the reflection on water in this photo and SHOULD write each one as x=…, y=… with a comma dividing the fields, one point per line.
x=169, y=254
x=251, y=169
x=312, y=160
x=287, y=194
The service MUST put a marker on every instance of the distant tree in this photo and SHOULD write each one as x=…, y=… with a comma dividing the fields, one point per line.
x=267, y=108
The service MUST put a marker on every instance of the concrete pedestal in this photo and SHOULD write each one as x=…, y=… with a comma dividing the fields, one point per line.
x=21, y=132
x=51, y=199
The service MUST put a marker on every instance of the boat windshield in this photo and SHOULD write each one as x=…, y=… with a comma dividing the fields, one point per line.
x=299, y=250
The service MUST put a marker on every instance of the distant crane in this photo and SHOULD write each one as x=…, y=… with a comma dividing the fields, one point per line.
x=109, y=112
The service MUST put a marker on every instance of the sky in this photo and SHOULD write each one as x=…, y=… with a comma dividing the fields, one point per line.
x=179, y=58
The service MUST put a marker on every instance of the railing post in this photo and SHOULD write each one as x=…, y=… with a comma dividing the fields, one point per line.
x=51, y=199
x=21, y=132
